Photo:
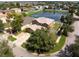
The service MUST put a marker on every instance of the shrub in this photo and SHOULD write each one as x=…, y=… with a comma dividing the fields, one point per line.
x=11, y=38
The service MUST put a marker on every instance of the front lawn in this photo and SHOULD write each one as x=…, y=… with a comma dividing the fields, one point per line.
x=11, y=38
x=56, y=25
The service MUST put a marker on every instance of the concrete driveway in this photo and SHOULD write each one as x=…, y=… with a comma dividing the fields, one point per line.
x=21, y=52
x=21, y=38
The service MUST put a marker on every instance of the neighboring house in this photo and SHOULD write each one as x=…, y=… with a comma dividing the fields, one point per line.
x=43, y=21
x=38, y=7
x=32, y=27
x=16, y=10
x=3, y=17
x=46, y=6
x=24, y=9
x=27, y=20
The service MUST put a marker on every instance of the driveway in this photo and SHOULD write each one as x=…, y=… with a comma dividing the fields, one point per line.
x=21, y=52
x=21, y=38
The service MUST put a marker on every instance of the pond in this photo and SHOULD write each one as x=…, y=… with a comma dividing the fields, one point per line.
x=55, y=16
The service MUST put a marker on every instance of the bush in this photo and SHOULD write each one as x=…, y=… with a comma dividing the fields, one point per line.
x=23, y=45
x=11, y=38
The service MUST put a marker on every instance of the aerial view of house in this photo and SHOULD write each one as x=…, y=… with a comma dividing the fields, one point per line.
x=39, y=28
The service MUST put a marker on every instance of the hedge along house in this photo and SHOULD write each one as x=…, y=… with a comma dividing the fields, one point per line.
x=43, y=21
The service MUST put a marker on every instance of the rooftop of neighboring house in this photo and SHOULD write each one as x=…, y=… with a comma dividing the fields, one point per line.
x=44, y=20
x=27, y=20
x=15, y=9
x=34, y=27
x=3, y=13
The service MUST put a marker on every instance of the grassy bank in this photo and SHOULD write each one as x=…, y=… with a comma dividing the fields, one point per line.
x=59, y=45
x=61, y=11
x=33, y=12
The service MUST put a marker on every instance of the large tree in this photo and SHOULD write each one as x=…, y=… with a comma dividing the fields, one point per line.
x=40, y=42
x=77, y=13
x=17, y=4
x=67, y=22
x=71, y=9
x=5, y=50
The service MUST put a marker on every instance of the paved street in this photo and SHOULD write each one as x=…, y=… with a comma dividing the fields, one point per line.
x=71, y=36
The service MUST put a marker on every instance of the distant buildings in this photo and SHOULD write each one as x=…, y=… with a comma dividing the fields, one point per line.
x=16, y=10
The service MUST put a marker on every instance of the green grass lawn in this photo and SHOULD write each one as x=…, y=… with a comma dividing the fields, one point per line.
x=55, y=26
x=32, y=12
x=59, y=45
x=11, y=38
x=61, y=11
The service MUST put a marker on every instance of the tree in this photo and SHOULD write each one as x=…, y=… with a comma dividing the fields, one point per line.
x=49, y=7
x=67, y=21
x=17, y=4
x=5, y=50
x=62, y=19
x=1, y=26
x=16, y=24
x=28, y=5
x=71, y=9
x=77, y=13
x=40, y=42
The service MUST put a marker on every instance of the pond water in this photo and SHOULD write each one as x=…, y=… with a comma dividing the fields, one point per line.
x=55, y=16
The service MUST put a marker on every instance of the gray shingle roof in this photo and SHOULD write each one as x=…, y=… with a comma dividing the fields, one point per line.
x=27, y=20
